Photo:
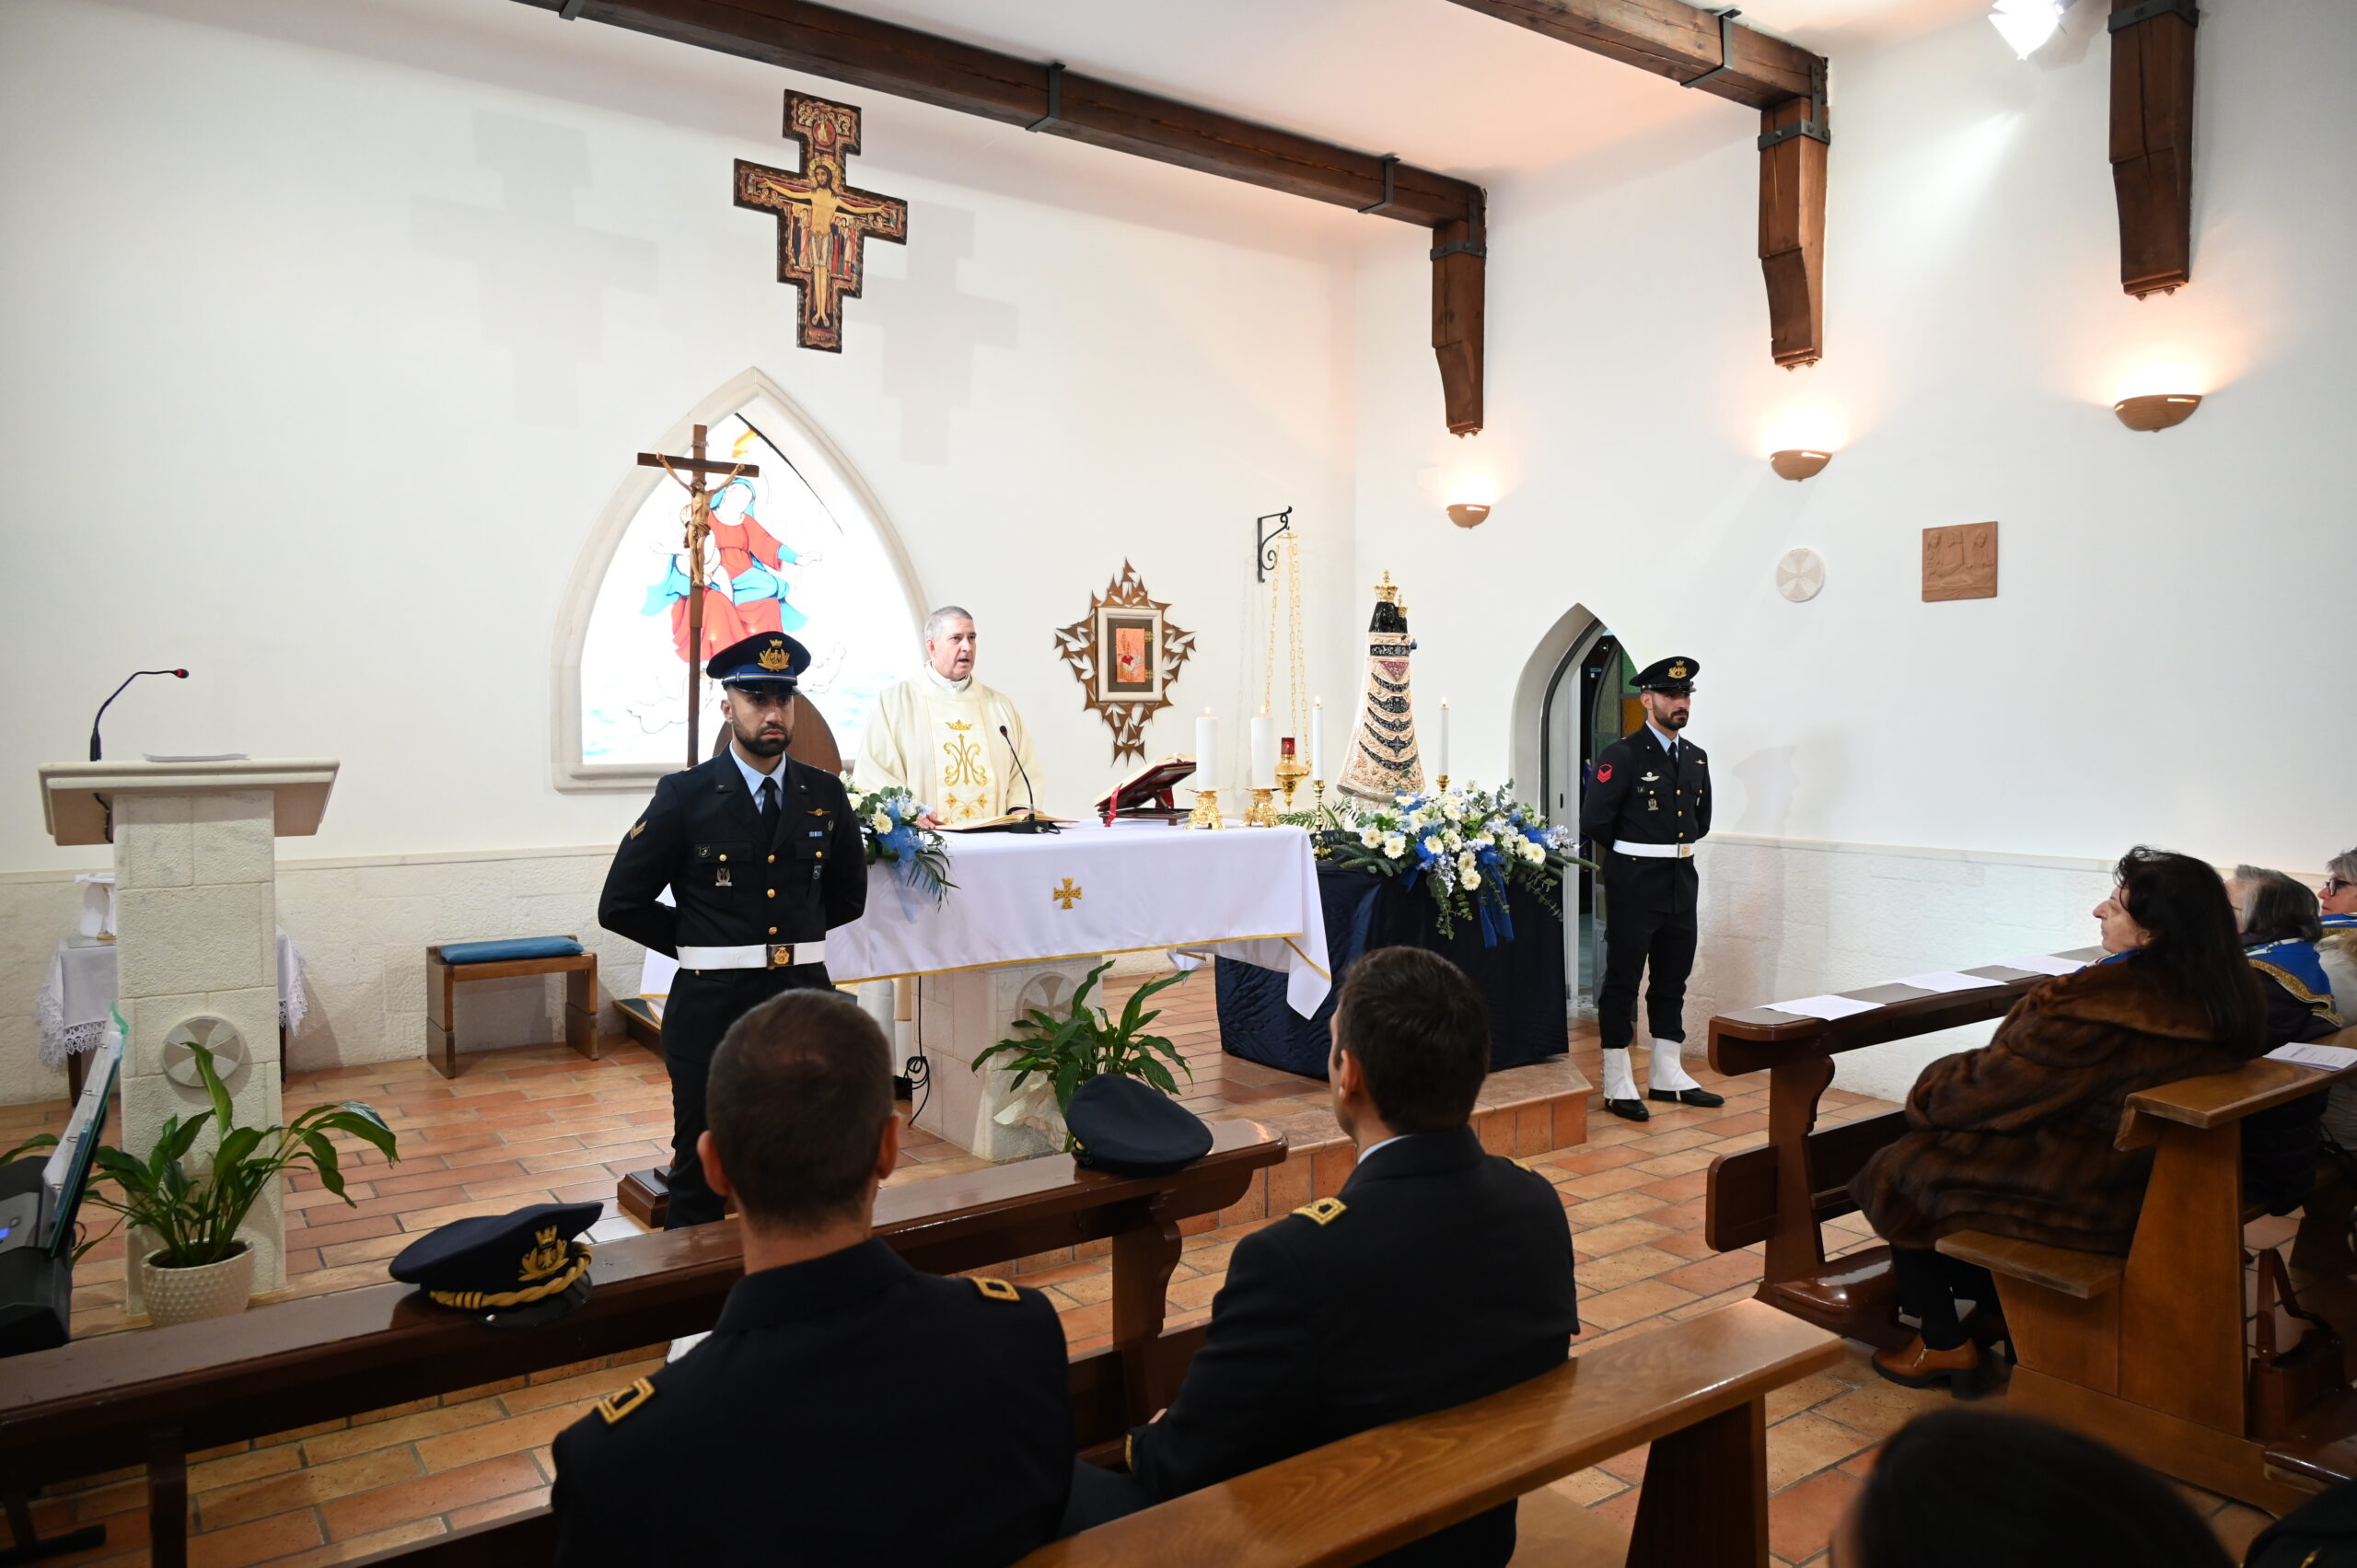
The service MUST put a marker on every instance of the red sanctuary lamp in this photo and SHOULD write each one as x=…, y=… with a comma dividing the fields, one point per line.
x=1291, y=769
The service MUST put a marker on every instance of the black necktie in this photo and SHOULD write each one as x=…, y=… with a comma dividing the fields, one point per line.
x=769, y=811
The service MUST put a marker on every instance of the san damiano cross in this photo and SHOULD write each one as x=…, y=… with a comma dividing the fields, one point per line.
x=823, y=220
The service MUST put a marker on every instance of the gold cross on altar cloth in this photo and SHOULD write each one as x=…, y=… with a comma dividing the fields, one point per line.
x=1067, y=894
x=823, y=222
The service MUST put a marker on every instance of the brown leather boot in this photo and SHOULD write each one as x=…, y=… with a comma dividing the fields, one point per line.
x=1920, y=1366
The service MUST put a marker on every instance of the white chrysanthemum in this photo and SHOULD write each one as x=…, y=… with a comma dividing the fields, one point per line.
x=1532, y=853
x=1454, y=840
x=1466, y=862
x=881, y=822
x=1453, y=808
x=1433, y=846
x=1472, y=880
x=1369, y=837
x=1395, y=845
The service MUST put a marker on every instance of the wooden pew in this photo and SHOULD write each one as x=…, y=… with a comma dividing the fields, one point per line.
x=152, y=1398
x=2149, y=1353
x=1780, y=1193
x=1695, y=1391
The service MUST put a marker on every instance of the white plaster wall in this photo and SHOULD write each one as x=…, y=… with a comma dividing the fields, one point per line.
x=2139, y=676
x=330, y=329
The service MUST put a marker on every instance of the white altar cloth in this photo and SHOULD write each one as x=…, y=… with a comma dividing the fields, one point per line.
x=1249, y=894
x=80, y=989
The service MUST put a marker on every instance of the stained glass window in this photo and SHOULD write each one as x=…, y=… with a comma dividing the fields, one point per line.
x=790, y=551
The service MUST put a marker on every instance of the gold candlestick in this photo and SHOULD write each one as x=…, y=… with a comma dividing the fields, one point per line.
x=1317, y=800
x=1206, y=811
x=1291, y=771
x=1444, y=784
x=1262, y=812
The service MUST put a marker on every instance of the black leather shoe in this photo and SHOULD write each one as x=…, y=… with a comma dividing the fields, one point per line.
x=1687, y=1096
x=1629, y=1109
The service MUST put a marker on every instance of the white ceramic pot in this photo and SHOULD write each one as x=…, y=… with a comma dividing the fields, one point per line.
x=210, y=1290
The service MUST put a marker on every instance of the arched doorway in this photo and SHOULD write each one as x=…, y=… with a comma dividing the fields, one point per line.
x=1575, y=699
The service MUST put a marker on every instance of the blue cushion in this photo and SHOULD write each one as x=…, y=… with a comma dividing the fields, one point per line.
x=514, y=948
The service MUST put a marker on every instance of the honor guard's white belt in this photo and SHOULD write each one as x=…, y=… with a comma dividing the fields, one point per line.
x=1649, y=852
x=757, y=956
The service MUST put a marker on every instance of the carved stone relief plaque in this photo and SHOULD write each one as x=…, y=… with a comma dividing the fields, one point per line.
x=1960, y=562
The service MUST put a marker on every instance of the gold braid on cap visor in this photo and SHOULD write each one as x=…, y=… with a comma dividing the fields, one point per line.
x=477, y=1300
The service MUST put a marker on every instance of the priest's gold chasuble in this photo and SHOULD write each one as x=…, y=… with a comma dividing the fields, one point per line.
x=939, y=740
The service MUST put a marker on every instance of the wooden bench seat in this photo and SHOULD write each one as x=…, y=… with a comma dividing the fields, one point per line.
x=2149, y=1351
x=1695, y=1391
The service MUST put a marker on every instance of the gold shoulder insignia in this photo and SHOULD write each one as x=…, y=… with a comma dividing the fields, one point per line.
x=1525, y=1165
x=998, y=1290
x=1322, y=1212
x=613, y=1407
x=639, y=828
x=818, y=811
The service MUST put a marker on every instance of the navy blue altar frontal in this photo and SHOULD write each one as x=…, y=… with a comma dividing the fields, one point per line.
x=1521, y=980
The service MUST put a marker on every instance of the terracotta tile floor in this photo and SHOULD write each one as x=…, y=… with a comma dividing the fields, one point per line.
x=527, y=1125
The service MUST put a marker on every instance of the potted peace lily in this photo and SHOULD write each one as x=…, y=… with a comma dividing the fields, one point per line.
x=1053, y=1056
x=200, y=1266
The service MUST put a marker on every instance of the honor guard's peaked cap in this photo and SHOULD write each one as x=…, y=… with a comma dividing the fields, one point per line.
x=515, y=1271
x=1675, y=676
x=767, y=659
x=1133, y=1129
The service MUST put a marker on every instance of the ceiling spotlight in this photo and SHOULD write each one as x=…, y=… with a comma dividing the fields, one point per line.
x=2026, y=25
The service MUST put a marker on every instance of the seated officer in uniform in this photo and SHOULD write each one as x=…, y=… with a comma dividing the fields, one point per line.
x=847, y=1408
x=1441, y=1273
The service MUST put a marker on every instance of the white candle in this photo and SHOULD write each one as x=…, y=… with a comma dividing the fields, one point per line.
x=1444, y=737
x=1318, y=738
x=1207, y=752
x=1264, y=751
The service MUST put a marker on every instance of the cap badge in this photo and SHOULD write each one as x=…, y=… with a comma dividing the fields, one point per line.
x=775, y=658
x=546, y=1259
x=1678, y=671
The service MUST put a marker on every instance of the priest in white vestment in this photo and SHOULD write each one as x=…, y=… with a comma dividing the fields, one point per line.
x=937, y=734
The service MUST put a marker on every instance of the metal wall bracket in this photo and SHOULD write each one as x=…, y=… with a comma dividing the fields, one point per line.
x=1390, y=175
x=1055, y=97
x=1814, y=126
x=2147, y=9
x=1477, y=232
x=1264, y=549
x=1726, y=50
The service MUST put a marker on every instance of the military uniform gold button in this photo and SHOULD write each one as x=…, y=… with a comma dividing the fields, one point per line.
x=772, y=892
x=773, y=930
x=772, y=860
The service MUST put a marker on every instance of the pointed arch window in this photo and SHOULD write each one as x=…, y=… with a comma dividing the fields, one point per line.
x=801, y=548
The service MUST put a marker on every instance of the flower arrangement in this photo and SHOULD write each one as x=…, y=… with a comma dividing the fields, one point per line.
x=887, y=821
x=1468, y=847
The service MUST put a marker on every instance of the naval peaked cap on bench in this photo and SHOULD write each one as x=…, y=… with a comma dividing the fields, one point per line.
x=514, y=1270
x=1133, y=1129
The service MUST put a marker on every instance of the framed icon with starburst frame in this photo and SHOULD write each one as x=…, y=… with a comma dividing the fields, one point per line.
x=1125, y=652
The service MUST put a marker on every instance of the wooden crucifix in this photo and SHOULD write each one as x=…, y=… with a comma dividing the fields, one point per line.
x=823, y=220
x=690, y=472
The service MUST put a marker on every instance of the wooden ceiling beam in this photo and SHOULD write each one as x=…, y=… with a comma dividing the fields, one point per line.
x=885, y=57
x=2151, y=143
x=1673, y=40
x=846, y=47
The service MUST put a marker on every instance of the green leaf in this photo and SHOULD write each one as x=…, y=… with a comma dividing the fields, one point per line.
x=363, y=1122
x=235, y=1145
x=177, y=1139
x=38, y=1141
x=324, y=1160
x=223, y=1116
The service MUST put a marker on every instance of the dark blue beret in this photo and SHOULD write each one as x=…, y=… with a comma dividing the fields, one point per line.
x=1133, y=1129
x=514, y=1269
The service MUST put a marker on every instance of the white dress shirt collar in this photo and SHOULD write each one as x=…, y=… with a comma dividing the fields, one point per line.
x=754, y=777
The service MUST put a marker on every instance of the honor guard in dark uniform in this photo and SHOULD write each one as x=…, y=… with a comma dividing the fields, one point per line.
x=1643, y=813
x=763, y=858
x=847, y=1409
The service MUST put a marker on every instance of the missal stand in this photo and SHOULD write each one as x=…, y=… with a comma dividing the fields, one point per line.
x=1145, y=796
x=197, y=881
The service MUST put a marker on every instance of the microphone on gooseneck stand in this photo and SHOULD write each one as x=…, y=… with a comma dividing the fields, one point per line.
x=1036, y=824
x=134, y=674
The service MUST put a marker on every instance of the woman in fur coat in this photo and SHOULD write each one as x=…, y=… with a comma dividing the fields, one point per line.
x=2016, y=1138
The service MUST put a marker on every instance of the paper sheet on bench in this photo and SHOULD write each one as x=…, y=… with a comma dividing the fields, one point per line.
x=1825, y=1007
x=1948, y=980
x=2044, y=963
x=2331, y=1058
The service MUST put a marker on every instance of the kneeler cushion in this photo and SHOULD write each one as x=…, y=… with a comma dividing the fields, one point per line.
x=511, y=950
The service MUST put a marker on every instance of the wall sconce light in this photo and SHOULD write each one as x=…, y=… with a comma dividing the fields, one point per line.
x=2026, y=25
x=2156, y=411
x=1798, y=462
x=1468, y=514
